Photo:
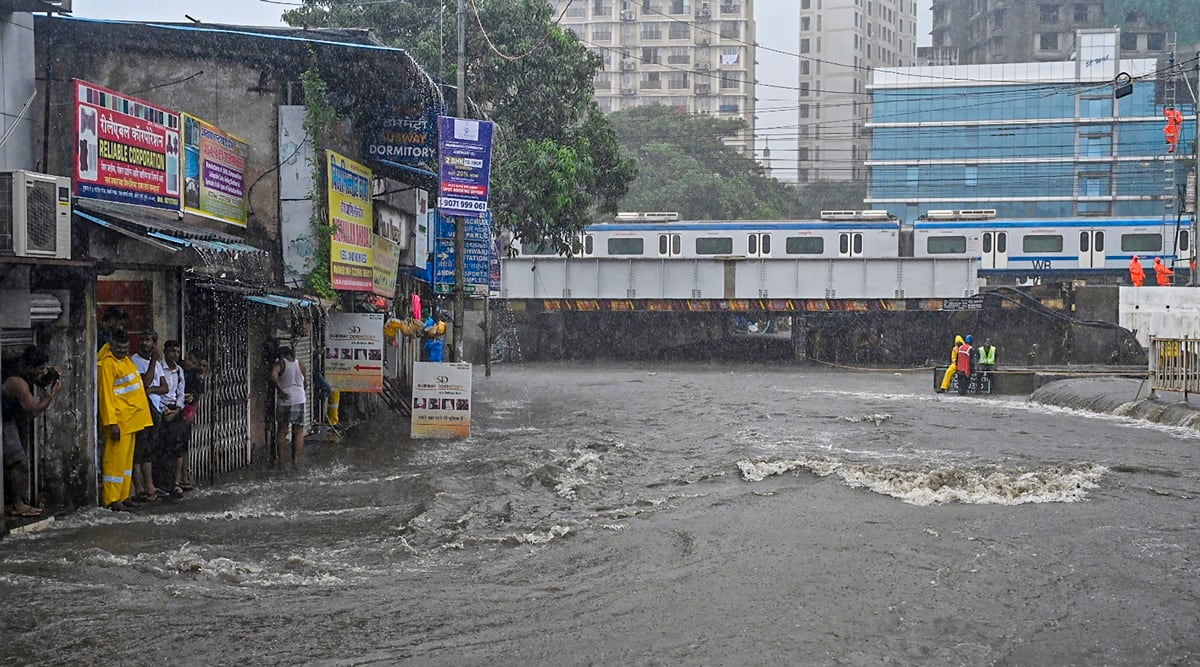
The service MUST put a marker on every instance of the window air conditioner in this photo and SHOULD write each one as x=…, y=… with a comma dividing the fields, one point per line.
x=35, y=215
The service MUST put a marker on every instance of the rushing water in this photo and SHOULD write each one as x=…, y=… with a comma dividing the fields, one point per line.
x=657, y=515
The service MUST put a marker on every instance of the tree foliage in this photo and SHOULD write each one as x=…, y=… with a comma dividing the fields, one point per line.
x=1179, y=16
x=684, y=165
x=556, y=161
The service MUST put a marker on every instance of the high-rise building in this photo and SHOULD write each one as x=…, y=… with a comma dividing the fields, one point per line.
x=1031, y=140
x=695, y=55
x=1010, y=31
x=841, y=42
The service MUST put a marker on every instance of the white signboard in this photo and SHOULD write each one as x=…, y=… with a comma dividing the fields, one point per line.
x=441, y=400
x=354, y=352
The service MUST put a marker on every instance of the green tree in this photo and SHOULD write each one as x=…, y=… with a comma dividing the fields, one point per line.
x=684, y=165
x=556, y=161
x=831, y=196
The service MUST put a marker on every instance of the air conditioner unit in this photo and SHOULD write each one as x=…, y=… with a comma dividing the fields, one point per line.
x=703, y=66
x=35, y=215
x=628, y=16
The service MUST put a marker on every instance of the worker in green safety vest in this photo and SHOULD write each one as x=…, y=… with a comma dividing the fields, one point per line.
x=987, y=361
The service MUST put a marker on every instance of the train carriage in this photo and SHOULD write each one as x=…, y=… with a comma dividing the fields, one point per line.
x=1060, y=247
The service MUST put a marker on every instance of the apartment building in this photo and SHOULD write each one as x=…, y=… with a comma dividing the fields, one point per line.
x=840, y=43
x=695, y=55
x=1010, y=31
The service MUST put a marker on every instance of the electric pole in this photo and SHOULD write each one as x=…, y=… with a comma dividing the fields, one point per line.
x=460, y=223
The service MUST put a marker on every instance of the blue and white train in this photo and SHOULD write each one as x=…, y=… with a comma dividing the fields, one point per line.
x=1007, y=248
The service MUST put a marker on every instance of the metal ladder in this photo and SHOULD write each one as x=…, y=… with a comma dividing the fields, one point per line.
x=1170, y=194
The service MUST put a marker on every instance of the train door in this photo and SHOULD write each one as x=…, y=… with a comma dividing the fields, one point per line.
x=995, y=250
x=1183, y=245
x=1091, y=249
x=669, y=245
x=850, y=244
x=758, y=245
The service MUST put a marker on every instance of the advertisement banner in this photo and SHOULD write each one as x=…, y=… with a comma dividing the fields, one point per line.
x=441, y=400
x=214, y=172
x=465, y=160
x=477, y=243
x=354, y=352
x=126, y=150
x=350, y=250
x=387, y=263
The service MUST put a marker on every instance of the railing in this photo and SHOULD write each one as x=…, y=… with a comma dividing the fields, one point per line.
x=1175, y=365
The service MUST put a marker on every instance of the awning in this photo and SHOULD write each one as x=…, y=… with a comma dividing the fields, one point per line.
x=422, y=178
x=280, y=301
x=159, y=231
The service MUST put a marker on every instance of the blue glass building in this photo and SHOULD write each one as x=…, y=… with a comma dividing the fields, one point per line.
x=1030, y=140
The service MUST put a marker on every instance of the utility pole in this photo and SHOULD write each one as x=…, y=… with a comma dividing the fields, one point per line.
x=460, y=223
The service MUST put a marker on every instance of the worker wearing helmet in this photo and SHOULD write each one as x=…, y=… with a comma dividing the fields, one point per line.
x=1162, y=273
x=965, y=364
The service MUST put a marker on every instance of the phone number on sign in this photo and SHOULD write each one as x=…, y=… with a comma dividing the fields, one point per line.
x=462, y=204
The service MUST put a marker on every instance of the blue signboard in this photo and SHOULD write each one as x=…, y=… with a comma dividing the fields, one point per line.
x=408, y=134
x=465, y=165
x=477, y=268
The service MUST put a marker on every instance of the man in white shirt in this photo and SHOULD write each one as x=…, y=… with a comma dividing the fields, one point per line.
x=172, y=442
x=147, y=362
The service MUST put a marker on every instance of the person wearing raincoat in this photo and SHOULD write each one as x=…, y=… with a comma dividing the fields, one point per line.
x=435, y=332
x=1137, y=275
x=124, y=411
x=949, y=376
x=1162, y=273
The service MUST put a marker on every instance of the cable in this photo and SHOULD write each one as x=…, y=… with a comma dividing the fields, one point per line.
x=541, y=42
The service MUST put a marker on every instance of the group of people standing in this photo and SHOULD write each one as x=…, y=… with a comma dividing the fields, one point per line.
x=147, y=404
x=1162, y=272
x=966, y=361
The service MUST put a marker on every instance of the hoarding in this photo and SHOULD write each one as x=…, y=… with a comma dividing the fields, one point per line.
x=354, y=352
x=477, y=270
x=351, y=251
x=214, y=172
x=126, y=149
x=465, y=160
x=441, y=400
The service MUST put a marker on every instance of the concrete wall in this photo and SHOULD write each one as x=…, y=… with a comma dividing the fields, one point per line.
x=1166, y=312
x=16, y=86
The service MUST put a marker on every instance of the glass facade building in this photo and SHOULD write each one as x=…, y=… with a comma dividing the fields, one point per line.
x=1030, y=140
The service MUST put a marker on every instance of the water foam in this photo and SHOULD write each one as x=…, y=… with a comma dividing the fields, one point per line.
x=982, y=486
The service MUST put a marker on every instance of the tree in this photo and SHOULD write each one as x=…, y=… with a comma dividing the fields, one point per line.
x=831, y=196
x=684, y=165
x=556, y=161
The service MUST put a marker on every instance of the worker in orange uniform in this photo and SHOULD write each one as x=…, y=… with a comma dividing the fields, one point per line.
x=1136, y=273
x=1162, y=272
x=1174, y=124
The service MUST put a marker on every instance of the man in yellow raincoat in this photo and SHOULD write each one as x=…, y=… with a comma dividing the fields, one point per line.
x=949, y=376
x=124, y=411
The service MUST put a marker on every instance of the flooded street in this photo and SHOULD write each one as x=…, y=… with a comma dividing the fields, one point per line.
x=653, y=515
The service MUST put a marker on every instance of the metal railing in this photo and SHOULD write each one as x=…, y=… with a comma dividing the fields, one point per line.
x=1175, y=365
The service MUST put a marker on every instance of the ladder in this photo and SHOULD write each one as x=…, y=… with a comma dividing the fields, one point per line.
x=1170, y=194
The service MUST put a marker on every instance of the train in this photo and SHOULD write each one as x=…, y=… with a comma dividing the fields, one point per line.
x=1013, y=250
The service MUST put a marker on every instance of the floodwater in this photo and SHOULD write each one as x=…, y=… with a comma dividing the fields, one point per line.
x=654, y=515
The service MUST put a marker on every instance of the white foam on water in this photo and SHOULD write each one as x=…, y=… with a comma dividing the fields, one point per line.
x=983, y=486
x=876, y=419
x=190, y=561
x=540, y=537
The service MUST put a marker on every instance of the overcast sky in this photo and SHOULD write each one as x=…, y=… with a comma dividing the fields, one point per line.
x=244, y=12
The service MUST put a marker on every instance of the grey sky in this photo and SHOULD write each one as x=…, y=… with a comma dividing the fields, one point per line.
x=244, y=12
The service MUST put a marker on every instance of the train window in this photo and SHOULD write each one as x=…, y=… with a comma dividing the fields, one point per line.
x=718, y=245
x=946, y=245
x=766, y=244
x=843, y=244
x=1141, y=242
x=1001, y=242
x=1099, y=241
x=1083, y=242
x=676, y=244
x=1185, y=242
x=987, y=243
x=857, y=244
x=588, y=245
x=624, y=246
x=804, y=245
x=752, y=244
x=538, y=248
x=1042, y=243
x=662, y=244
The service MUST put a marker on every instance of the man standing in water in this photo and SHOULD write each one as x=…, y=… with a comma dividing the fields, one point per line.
x=288, y=377
x=124, y=411
x=18, y=401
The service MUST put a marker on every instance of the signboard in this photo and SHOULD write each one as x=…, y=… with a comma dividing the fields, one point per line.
x=408, y=136
x=126, y=150
x=214, y=172
x=354, y=352
x=296, y=205
x=465, y=161
x=387, y=263
x=441, y=405
x=477, y=269
x=351, y=249
x=968, y=303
